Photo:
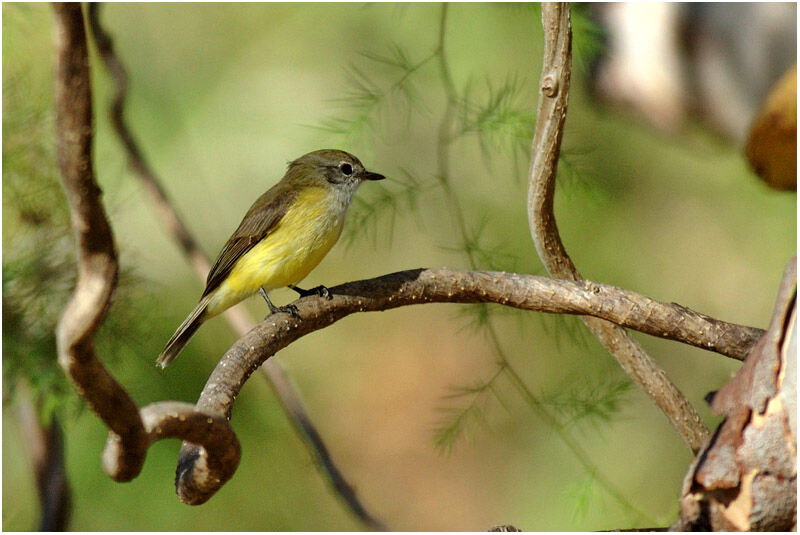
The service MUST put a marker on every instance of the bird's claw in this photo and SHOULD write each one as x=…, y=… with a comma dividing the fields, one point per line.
x=287, y=309
x=323, y=291
x=320, y=290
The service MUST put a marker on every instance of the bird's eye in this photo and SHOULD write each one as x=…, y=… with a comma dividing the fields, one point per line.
x=346, y=168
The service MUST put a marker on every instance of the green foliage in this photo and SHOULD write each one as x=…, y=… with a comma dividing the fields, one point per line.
x=383, y=203
x=595, y=401
x=565, y=329
x=500, y=117
x=458, y=419
x=38, y=268
x=587, y=38
x=487, y=256
x=582, y=495
x=257, y=76
x=502, y=120
x=367, y=97
x=575, y=173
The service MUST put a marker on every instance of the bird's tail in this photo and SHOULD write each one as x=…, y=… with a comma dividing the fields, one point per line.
x=183, y=333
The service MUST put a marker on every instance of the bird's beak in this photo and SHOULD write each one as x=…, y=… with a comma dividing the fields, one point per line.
x=369, y=175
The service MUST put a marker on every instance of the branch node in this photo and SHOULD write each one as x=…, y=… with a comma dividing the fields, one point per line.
x=550, y=86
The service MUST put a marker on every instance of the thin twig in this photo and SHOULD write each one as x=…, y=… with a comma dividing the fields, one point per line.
x=131, y=432
x=45, y=446
x=158, y=197
x=422, y=286
x=554, y=96
x=285, y=393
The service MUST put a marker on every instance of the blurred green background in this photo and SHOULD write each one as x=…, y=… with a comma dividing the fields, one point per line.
x=221, y=97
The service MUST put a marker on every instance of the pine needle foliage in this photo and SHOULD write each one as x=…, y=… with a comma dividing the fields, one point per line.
x=383, y=204
x=472, y=410
x=588, y=39
x=39, y=268
x=488, y=256
x=583, y=495
x=590, y=402
x=500, y=117
x=366, y=97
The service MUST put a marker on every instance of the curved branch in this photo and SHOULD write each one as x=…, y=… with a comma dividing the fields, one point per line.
x=97, y=257
x=554, y=97
x=282, y=387
x=419, y=286
x=219, y=447
x=131, y=431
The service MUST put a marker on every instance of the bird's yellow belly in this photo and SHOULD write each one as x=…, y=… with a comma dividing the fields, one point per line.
x=300, y=241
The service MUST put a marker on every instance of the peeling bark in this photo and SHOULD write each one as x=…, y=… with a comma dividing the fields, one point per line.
x=745, y=479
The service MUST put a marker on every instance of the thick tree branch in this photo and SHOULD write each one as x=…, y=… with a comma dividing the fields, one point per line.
x=285, y=393
x=745, y=478
x=420, y=286
x=131, y=434
x=554, y=96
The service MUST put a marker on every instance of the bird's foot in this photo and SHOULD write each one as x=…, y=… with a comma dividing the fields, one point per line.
x=320, y=290
x=287, y=309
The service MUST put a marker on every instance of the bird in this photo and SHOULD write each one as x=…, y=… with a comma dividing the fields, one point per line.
x=282, y=237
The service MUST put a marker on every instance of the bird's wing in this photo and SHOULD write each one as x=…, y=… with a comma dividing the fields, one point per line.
x=260, y=220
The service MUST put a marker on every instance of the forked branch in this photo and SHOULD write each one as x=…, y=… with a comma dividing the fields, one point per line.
x=213, y=453
x=553, y=100
x=421, y=286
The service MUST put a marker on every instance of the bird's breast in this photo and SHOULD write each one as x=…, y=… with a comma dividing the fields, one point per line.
x=305, y=234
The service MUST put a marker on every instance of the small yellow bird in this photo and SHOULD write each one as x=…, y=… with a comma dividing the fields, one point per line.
x=283, y=236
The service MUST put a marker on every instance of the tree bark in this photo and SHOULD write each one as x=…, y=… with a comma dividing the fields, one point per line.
x=745, y=479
